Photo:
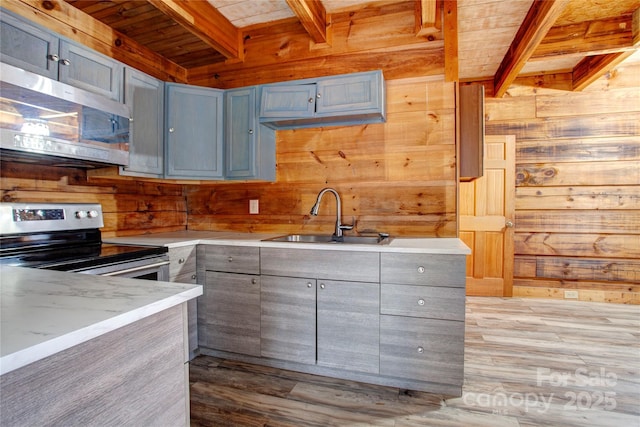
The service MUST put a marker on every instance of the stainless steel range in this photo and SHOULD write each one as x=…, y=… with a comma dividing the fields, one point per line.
x=67, y=237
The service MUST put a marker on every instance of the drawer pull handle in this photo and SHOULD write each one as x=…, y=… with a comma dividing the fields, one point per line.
x=321, y=285
x=181, y=261
x=309, y=285
x=230, y=259
x=420, y=350
x=420, y=301
x=421, y=269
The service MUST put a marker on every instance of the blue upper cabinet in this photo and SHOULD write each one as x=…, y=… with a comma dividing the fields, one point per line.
x=27, y=46
x=348, y=99
x=193, y=132
x=288, y=100
x=249, y=147
x=145, y=97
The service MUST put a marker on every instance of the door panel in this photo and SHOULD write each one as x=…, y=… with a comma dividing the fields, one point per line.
x=486, y=220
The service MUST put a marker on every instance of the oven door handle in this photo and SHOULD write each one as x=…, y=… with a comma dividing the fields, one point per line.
x=134, y=269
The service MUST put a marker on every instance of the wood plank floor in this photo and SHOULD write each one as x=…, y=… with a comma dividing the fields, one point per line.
x=528, y=362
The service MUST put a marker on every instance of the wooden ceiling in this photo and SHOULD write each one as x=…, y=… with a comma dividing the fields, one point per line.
x=229, y=43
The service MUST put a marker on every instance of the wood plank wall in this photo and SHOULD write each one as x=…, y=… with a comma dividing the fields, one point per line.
x=577, y=187
x=129, y=206
x=398, y=177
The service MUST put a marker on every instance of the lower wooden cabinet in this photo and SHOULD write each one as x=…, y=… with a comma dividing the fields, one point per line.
x=348, y=325
x=229, y=313
x=288, y=319
x=387, y=318
x=422, y=349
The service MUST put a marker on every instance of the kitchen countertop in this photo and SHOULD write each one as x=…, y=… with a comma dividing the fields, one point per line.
x=45, y=312
x=451, y=246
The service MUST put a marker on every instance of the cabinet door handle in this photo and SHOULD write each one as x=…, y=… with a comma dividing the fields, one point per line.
x=254, y=281
x=250, y=131
x=230, y=259
x=420, y=301
x=65, y=62
x=420, y=350
x=318, y=96
x=321, y=285
x=181, y=261
x=193, y=276
x=53, y=57
x=309, y=285
x=310, y=100
x=421, y=269
x=171, y=130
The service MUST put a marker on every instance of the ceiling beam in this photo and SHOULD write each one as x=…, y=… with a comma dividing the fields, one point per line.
x=206, y=23
x=313, y=17
x=450, y=30
x=592, y=68
x=428, y=17
x=602, y=36
x=534, y=28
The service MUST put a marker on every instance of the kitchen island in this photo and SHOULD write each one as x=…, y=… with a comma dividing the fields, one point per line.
x=390, y=314
x=92, y=350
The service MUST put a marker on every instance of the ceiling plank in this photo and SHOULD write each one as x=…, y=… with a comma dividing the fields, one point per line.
x=592, y=68
x=313, y=17
x=534, y=28
x=205, y=22
x=428, y=17
x=450, y=29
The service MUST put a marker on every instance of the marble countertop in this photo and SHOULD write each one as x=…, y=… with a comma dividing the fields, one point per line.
x=452, y=246
x=44, y=312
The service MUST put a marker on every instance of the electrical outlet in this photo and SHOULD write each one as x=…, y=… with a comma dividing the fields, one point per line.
x=254, y=207
x=571, y=294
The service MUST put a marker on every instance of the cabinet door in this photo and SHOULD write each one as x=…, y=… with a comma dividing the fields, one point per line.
x=229, y=313
x=182, y=264
x=296, y=100
x=349, y=325
x=346, y=94
x=241, y=132
x=86, y=69
x=422, y=349
x=145, y=97
x=288, y=318
x=193, y=132
x=28, y=47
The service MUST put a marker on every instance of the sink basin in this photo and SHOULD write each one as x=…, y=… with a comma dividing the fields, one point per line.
x=381, y=239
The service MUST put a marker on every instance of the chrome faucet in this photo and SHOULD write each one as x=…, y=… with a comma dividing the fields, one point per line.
x=337, y=235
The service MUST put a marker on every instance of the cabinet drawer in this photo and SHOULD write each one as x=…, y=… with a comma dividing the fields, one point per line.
x=422, y=349
x=233, y=259
x=182, y=264
x=321, y=264
x=423, y=269
x=422, y=301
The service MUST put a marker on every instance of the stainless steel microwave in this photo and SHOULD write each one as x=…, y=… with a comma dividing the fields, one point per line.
x=44, y=117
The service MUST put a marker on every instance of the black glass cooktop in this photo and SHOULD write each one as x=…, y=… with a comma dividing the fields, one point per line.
x=80, y=256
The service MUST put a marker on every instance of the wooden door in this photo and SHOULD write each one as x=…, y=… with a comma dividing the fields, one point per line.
x=486, y=209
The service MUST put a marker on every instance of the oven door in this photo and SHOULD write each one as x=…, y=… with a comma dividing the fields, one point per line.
x=151, y=268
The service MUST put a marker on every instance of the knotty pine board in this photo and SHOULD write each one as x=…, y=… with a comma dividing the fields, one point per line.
x=578, y=245
x=579, y=197
x=579, y=149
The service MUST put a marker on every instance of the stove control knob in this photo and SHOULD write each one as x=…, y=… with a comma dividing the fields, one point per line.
x=92, y=214
x=81, y=214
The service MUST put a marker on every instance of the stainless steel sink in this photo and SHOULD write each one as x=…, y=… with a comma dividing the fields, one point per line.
x=381, y=239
